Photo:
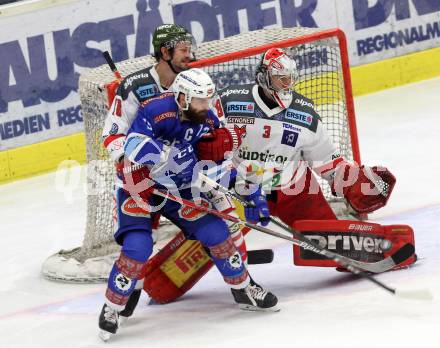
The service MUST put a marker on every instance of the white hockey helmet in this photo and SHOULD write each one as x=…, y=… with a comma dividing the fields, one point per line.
x=275, y=62
x=193, y=83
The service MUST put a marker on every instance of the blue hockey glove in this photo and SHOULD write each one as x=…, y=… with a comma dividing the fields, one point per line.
x=259, y=212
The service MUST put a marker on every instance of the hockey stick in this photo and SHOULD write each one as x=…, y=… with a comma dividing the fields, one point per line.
x=255, y=257
x=343, y=261
x=112, y=65
x=377, y=267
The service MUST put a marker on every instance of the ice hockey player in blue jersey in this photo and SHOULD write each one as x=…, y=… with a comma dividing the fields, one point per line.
x=159, y=151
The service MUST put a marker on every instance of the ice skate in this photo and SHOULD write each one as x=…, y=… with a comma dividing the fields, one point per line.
x=254, y=298
x=108, y=322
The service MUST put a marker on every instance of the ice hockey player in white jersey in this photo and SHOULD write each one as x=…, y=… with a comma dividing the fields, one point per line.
x=160, y=143
x=173, y=49
x=283, y=140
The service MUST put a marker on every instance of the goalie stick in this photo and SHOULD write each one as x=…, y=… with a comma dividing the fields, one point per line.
x=356, y=267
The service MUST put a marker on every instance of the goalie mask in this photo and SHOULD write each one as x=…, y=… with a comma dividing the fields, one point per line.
x=277, y=74
x=198, y=89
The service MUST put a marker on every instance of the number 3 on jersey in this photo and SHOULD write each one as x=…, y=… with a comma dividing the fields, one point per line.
x=266, y=133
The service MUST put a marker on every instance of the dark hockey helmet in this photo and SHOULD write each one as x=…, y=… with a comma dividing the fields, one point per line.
x=276, y=63
x=169, y=36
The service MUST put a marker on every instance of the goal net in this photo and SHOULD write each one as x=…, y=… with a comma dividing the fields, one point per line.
x=324, y=77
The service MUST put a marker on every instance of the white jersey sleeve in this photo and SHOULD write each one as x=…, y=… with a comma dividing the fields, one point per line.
x=133, y=91
x=119, y=119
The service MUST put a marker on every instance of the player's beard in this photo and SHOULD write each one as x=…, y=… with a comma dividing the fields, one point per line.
x=195, y=116
x=180, y=66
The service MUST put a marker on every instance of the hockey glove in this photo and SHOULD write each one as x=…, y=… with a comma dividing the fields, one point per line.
x=135, y=178
x=213, y=146
x=366, y=189
x=257, y=210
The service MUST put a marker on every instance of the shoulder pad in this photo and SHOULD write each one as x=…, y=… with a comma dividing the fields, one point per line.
x=235, y=90
x=161, y=107
x=302, y=112
x=141, y=83
x=162, y=96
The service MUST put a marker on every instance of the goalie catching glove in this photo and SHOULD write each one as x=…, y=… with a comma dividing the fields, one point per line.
x=366, y=189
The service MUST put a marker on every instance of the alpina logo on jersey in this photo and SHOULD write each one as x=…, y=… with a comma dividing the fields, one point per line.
x=164, y=116
x=299, y=116
x=191, y=214
x=130, y=207
x=246, y=107
x=289, y=138
x=129, y=81
x=234, y=91
x=240, y=119
x=147, y=91
x=302, y=102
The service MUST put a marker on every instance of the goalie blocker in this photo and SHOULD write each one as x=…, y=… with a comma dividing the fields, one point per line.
x=182, y=263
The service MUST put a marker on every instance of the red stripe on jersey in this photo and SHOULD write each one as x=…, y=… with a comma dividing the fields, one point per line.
x=112, y=138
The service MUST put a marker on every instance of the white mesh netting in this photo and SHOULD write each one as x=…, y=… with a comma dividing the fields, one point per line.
x=321, y=79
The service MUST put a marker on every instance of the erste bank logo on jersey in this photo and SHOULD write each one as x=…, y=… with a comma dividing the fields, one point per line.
x=299, y=116
x=147, y=91
x=242, y=107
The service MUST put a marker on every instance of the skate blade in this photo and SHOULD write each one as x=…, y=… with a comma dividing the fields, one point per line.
x=105, y=335
x=247, y=307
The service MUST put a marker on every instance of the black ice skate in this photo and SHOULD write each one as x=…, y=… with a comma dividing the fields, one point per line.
x=254, y=298
x=108, y=322
x=130, y=306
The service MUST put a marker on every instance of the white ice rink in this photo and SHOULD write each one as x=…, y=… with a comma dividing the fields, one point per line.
x=398, y=128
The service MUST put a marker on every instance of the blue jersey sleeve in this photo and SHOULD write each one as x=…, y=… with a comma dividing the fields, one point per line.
x=144, y=144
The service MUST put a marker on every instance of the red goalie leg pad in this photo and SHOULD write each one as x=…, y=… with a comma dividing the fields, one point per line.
x=358, y=240
x=175, y=269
